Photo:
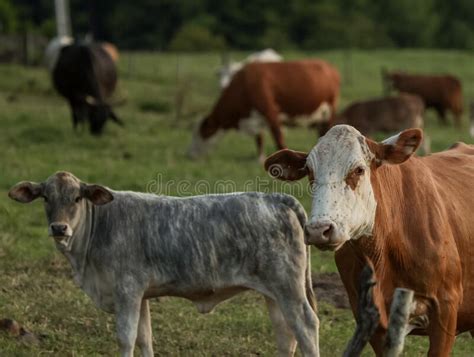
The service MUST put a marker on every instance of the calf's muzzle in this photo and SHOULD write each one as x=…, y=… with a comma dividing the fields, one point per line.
x=58, y=229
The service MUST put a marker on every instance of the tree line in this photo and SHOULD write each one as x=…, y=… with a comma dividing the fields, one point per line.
x=195, y=25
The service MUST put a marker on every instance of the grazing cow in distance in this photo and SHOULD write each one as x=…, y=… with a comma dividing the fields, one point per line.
x=410, y=216
x=384, y=115
x=128, y=247
x=261, y=94
x=228, y=70
x=86, y=76
x=440, y=92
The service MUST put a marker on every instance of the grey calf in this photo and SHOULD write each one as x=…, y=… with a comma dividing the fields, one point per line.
x=126, y=247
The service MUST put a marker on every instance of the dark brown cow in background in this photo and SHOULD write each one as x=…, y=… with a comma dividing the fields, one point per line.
x=264, y=95
x=86, y=76
x=384, y=115
x=441, y=92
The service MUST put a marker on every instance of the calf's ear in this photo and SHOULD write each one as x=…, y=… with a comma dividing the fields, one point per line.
x=25, y=191
x=287, y=165
x=98, y=195
x=398, y=148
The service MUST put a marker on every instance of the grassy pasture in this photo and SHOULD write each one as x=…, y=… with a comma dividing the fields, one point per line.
x=36, y=140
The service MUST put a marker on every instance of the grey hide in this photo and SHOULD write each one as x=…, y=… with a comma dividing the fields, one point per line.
x=204, y=248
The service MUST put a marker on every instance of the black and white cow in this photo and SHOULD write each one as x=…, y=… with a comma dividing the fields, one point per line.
x=86, y=75
x=126, y=247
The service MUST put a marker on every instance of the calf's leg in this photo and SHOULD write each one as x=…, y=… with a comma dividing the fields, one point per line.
x=285, y=340
x=127, y=317
x=144, y=336
x=303, y=322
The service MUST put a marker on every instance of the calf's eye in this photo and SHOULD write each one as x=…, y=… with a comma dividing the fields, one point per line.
x=78, y=199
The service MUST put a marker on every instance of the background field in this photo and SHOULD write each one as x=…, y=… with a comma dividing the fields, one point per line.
x=36, y=139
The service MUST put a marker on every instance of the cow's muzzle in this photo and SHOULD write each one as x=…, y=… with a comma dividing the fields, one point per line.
x=61, y=232
x=324, y=235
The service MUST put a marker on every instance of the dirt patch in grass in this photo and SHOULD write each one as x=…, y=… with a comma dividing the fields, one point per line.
x=328, y=288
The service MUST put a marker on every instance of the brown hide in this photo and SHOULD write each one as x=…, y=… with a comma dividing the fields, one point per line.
x=443, y=93
x=294, y=88
x=389, y=115
x=423, y=240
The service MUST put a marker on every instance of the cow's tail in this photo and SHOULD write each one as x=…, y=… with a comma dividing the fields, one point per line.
x=300, y=213
x=309, y=282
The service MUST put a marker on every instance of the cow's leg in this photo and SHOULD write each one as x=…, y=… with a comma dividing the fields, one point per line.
x=442, y=331
x=441, y=114
x=259, y=142
x=377, y=340
x=457, y=120
x=127, y=317
x=285, y=340
x=302, y=321
x=144, y=336
x=76, y=114
x=277, y=134
x=268, y=107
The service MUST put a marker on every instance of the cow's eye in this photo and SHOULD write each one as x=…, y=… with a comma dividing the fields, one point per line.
x=359, y=171
x=78, y=199
x=45, y=199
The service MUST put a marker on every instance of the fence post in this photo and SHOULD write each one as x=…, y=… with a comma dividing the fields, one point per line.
x=399, y=313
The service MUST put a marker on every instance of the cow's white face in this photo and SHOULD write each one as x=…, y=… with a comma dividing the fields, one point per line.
x=204, y=138
x=343, y=200
x=340, y=168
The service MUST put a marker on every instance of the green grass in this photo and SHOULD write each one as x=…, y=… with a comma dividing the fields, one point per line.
x=37, y=140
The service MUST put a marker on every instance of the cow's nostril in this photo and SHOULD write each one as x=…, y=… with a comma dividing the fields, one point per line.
x=59, y=228
x=328, y=231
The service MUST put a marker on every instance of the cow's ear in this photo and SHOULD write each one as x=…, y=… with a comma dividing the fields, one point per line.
x=26, y=192
x=287, y=165
x=398, y=148
x=98, y=195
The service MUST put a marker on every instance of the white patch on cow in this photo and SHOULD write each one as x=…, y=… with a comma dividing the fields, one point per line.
x=200, y=146
x=227, y=72
x=352, y=212
x=253, y=125
x=320, y=115
x=53, y=49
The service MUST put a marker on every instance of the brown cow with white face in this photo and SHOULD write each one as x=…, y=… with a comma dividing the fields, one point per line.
x=411, y=216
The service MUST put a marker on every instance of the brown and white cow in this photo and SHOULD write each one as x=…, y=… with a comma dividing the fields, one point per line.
x=260, y=94
x=410, y=216
x=440, y=92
